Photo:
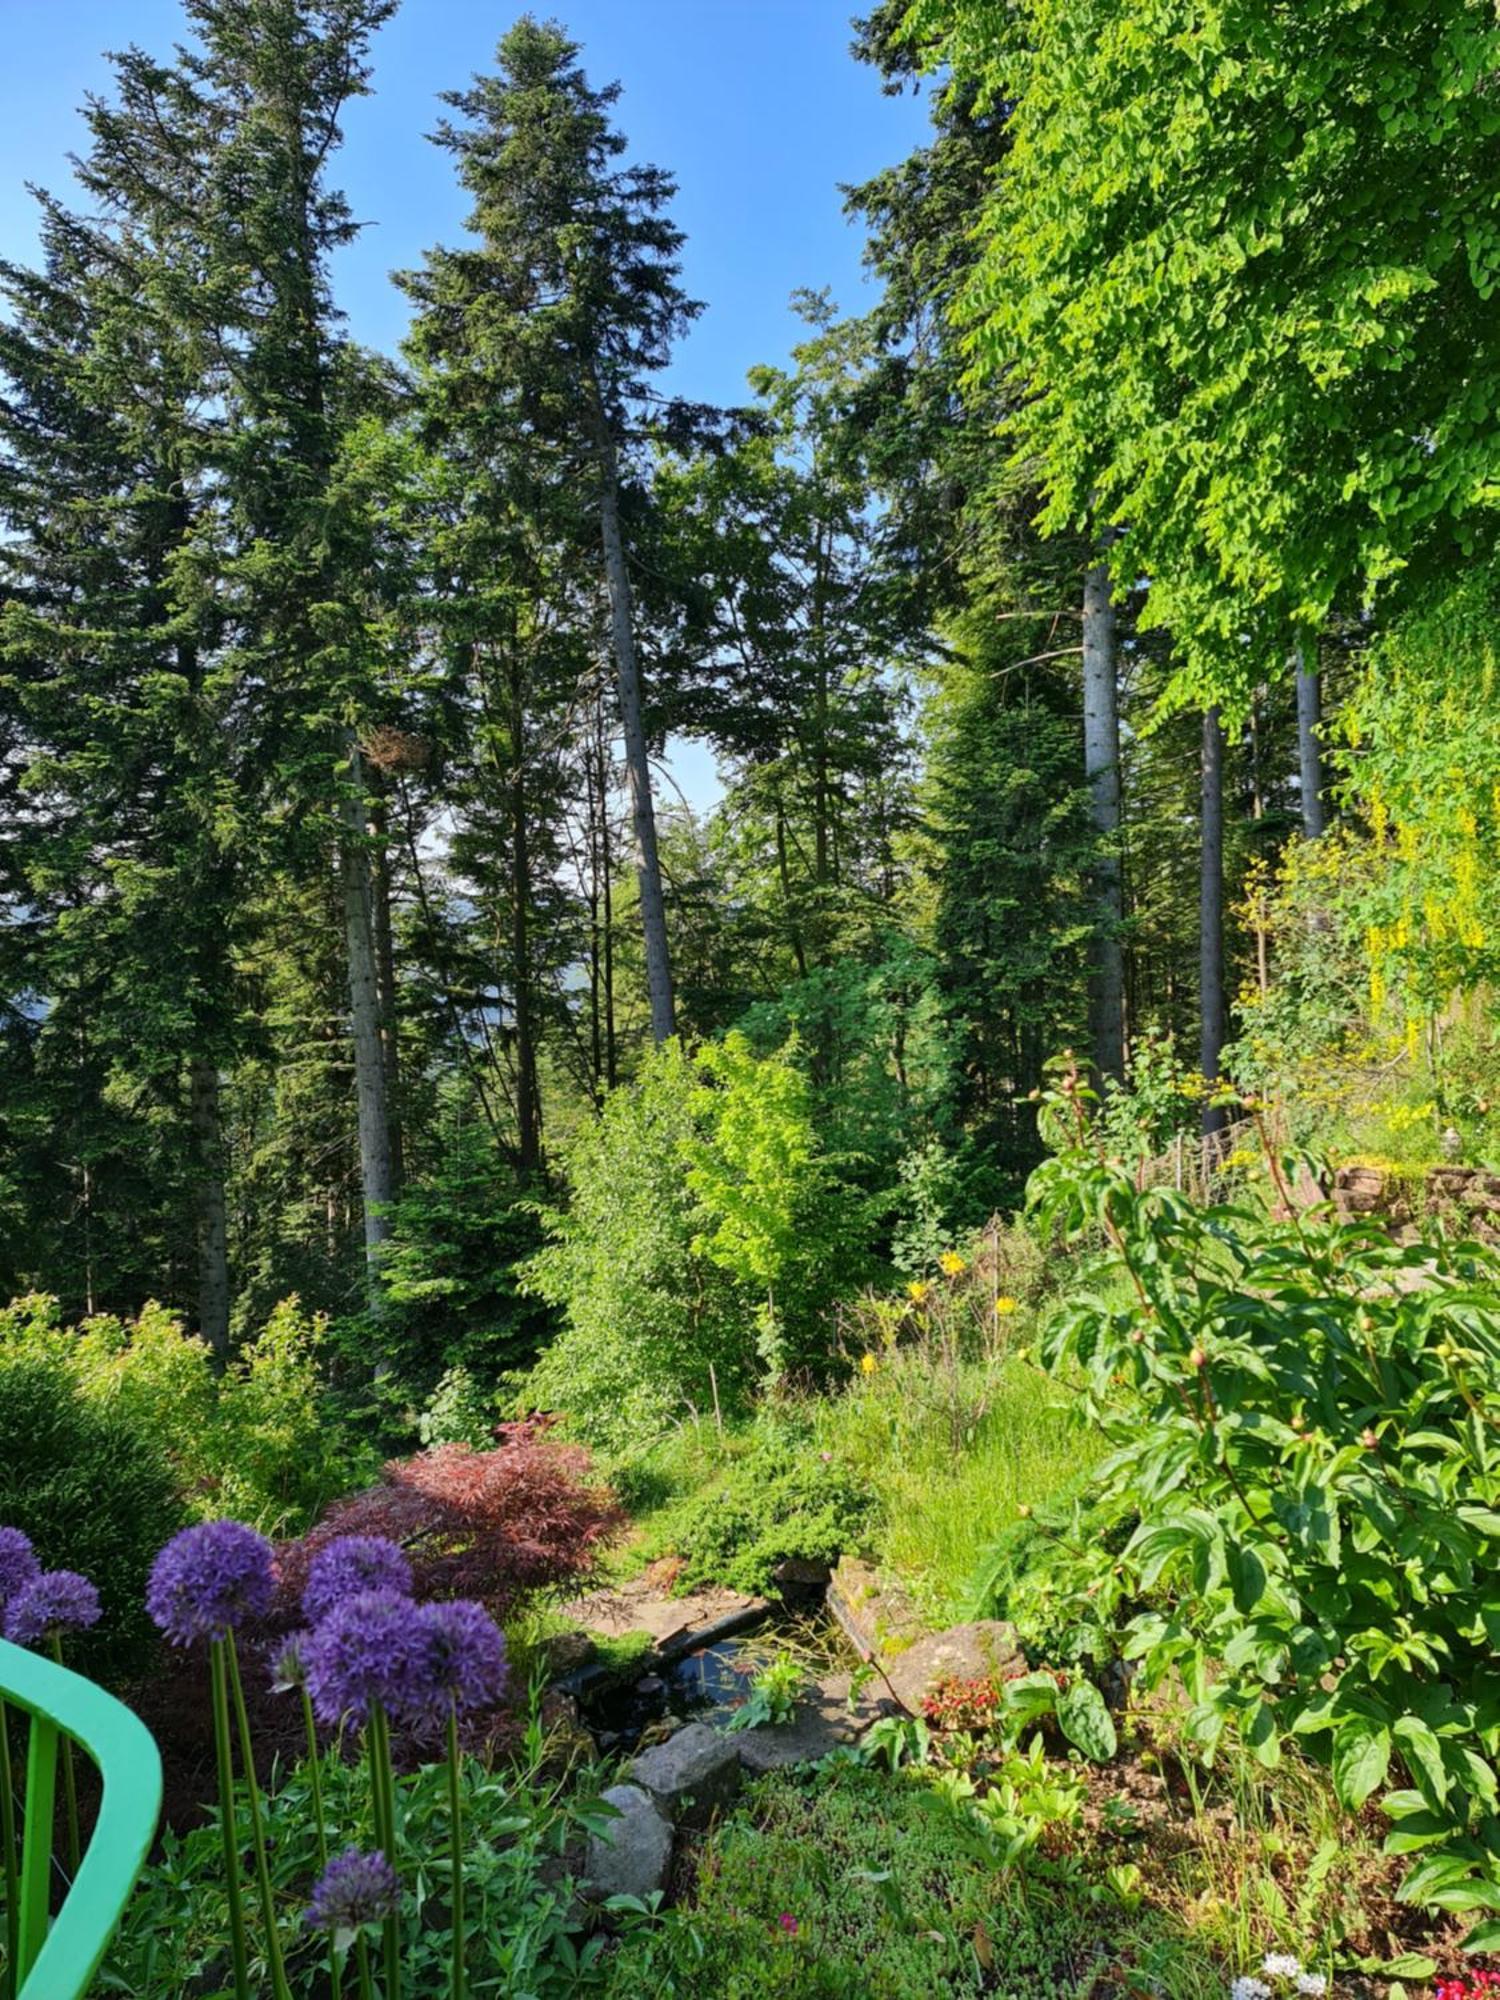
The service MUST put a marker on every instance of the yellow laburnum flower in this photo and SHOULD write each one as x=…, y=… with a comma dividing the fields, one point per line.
x=951, y=1264
x=918, y=1289
x=1005, y=1305
x=868, y=1364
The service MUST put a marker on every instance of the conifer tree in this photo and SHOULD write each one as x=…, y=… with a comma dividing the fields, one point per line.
x=124, y=838
x=234, y=140
x=573, y=272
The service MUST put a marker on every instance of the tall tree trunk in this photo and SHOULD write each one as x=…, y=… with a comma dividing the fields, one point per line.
x=212, y=1226
x=371, y=1101
x=596, y=940
x=787, y=898
x=637, y=763
x=385, y=973
x=528, y=1099
x=1101, y=759
x=1211, y=1009
x=1309, y=751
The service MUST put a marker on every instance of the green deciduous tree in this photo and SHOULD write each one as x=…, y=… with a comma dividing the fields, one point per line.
x=1241, y=264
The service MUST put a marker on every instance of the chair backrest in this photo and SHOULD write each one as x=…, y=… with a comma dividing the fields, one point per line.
x=57, y=1959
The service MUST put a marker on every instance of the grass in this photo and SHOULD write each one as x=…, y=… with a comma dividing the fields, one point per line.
x=945, y=1466
x=951, y=1457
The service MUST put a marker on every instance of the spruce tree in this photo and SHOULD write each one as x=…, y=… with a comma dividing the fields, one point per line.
x=573, y=277
x=120, y=802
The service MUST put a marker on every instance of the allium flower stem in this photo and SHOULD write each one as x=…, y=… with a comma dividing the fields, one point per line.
x=456, y=1844
x=257, y=1830
x=320, y=1824
x=383, y=1797
x=12, y=1864
x=227, y=1821
x=362, y=1960
x=70, y=1781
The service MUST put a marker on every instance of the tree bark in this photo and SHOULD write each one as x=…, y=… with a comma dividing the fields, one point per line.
x=1101, y=758
x=1211, y=1009
x=371, y=1100
x=637, y=763
x=528, y=1097
x=1309, y=750
x=385, y=972
x=212, y=1226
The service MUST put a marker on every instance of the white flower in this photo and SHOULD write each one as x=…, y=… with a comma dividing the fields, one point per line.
x=1246, y=1988
x=1311, y=1983
x=1280, y=1965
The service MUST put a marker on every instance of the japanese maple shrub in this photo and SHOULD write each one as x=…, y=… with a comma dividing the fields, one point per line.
x=1305, y=1422
x=493, y=1525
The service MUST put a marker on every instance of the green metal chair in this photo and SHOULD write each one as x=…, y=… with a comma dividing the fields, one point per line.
x=56, y=1960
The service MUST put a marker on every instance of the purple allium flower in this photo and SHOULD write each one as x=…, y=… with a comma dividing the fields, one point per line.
x=289, y=1663
x=464, y=1662
x=209, y=1579
x=18, y=1563
x=369, y=1648
x=350, y=1566
x=57, y=1600
x=355, y=1889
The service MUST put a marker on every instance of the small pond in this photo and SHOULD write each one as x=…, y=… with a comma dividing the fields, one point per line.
x=707, y=1683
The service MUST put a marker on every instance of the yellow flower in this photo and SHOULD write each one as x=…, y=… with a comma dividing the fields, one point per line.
x=951, y=1264
x=1004, y=1305
x=918, y=1290
x=868, y=1364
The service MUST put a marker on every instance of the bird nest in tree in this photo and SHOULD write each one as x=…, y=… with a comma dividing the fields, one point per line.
x=395, y=750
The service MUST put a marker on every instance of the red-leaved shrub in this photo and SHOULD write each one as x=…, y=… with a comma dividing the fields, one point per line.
x=496, y=1525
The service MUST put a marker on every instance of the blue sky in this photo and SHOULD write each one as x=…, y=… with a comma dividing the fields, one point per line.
x=755, y=105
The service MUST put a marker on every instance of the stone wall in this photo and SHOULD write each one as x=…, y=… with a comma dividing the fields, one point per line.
x=1465, y=1201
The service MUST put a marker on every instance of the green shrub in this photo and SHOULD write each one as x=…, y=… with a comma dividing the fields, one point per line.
x=703, y=1243
x=458, y=1412
x=279, y=1451
x=1302, y=1417
x=460, y=1234
x=93, y=1488
x=779, y=1496
x=263, y=1443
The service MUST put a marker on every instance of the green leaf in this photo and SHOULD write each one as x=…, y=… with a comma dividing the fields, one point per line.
x=1361, y=1759
x=1424, y=1759
x=1247, y=1575
x=1086, y=1722
x=1263, y=1737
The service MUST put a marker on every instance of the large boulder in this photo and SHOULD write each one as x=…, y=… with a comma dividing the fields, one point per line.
x=691, y=1775
x=986, y=1648
x=633, y=1853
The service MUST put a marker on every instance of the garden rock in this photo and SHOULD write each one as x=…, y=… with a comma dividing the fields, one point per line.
x=633, y=1853
x=984, y=1648
x=691, y=1775
x=825, y=1719
x=878, y=1618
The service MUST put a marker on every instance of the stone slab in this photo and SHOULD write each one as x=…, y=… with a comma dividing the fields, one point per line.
x=824, y=1721
x=676, y=1624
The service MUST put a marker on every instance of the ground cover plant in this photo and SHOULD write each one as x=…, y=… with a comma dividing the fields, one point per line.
x=852, y=1883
